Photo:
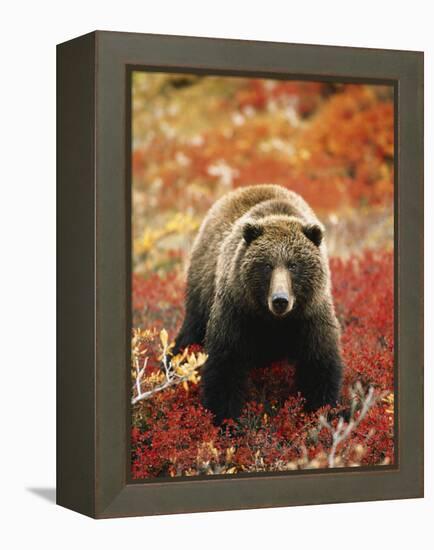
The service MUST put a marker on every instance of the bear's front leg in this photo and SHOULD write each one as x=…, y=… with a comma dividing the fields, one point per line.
x=194, y=325
x=224, y=386
x=319, y=365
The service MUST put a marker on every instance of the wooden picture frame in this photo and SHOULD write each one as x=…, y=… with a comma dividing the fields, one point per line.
x=94, y=248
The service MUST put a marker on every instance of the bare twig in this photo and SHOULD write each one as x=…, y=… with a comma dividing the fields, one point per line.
x=342, y=431
x=181, y=369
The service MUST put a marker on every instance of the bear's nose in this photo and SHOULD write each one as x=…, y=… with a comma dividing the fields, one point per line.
x=280, y=302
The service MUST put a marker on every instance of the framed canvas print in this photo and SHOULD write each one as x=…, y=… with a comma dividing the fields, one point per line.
x=240, y=274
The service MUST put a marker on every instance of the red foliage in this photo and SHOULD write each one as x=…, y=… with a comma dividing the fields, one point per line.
x=363, y=292
x=174, y=435
x=171, y=434
x=154, y=297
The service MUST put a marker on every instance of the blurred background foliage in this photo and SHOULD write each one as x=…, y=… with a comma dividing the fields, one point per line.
x=197, y=137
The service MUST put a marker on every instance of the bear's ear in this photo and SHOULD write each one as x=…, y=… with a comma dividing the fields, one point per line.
x=314, y=233
x=252, y=231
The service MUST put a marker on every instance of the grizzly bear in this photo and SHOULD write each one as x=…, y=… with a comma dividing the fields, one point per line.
x=258, y=290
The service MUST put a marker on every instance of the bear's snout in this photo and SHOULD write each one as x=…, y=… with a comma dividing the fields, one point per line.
x=280, y=297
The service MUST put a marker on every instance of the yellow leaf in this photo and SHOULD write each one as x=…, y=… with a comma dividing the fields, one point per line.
x=191, y=360
x=181, y=370
x=230, y=453
x=193, y=378
x=164, y=338
x=181, y=357
x=201, y=359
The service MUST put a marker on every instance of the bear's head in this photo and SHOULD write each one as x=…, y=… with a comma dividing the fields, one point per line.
x=283, y=267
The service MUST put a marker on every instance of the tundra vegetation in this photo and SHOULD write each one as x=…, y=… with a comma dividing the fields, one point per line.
x=194, y=139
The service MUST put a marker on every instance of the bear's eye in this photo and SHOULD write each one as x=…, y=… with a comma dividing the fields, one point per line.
x=292, y=266
x=268, y=267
